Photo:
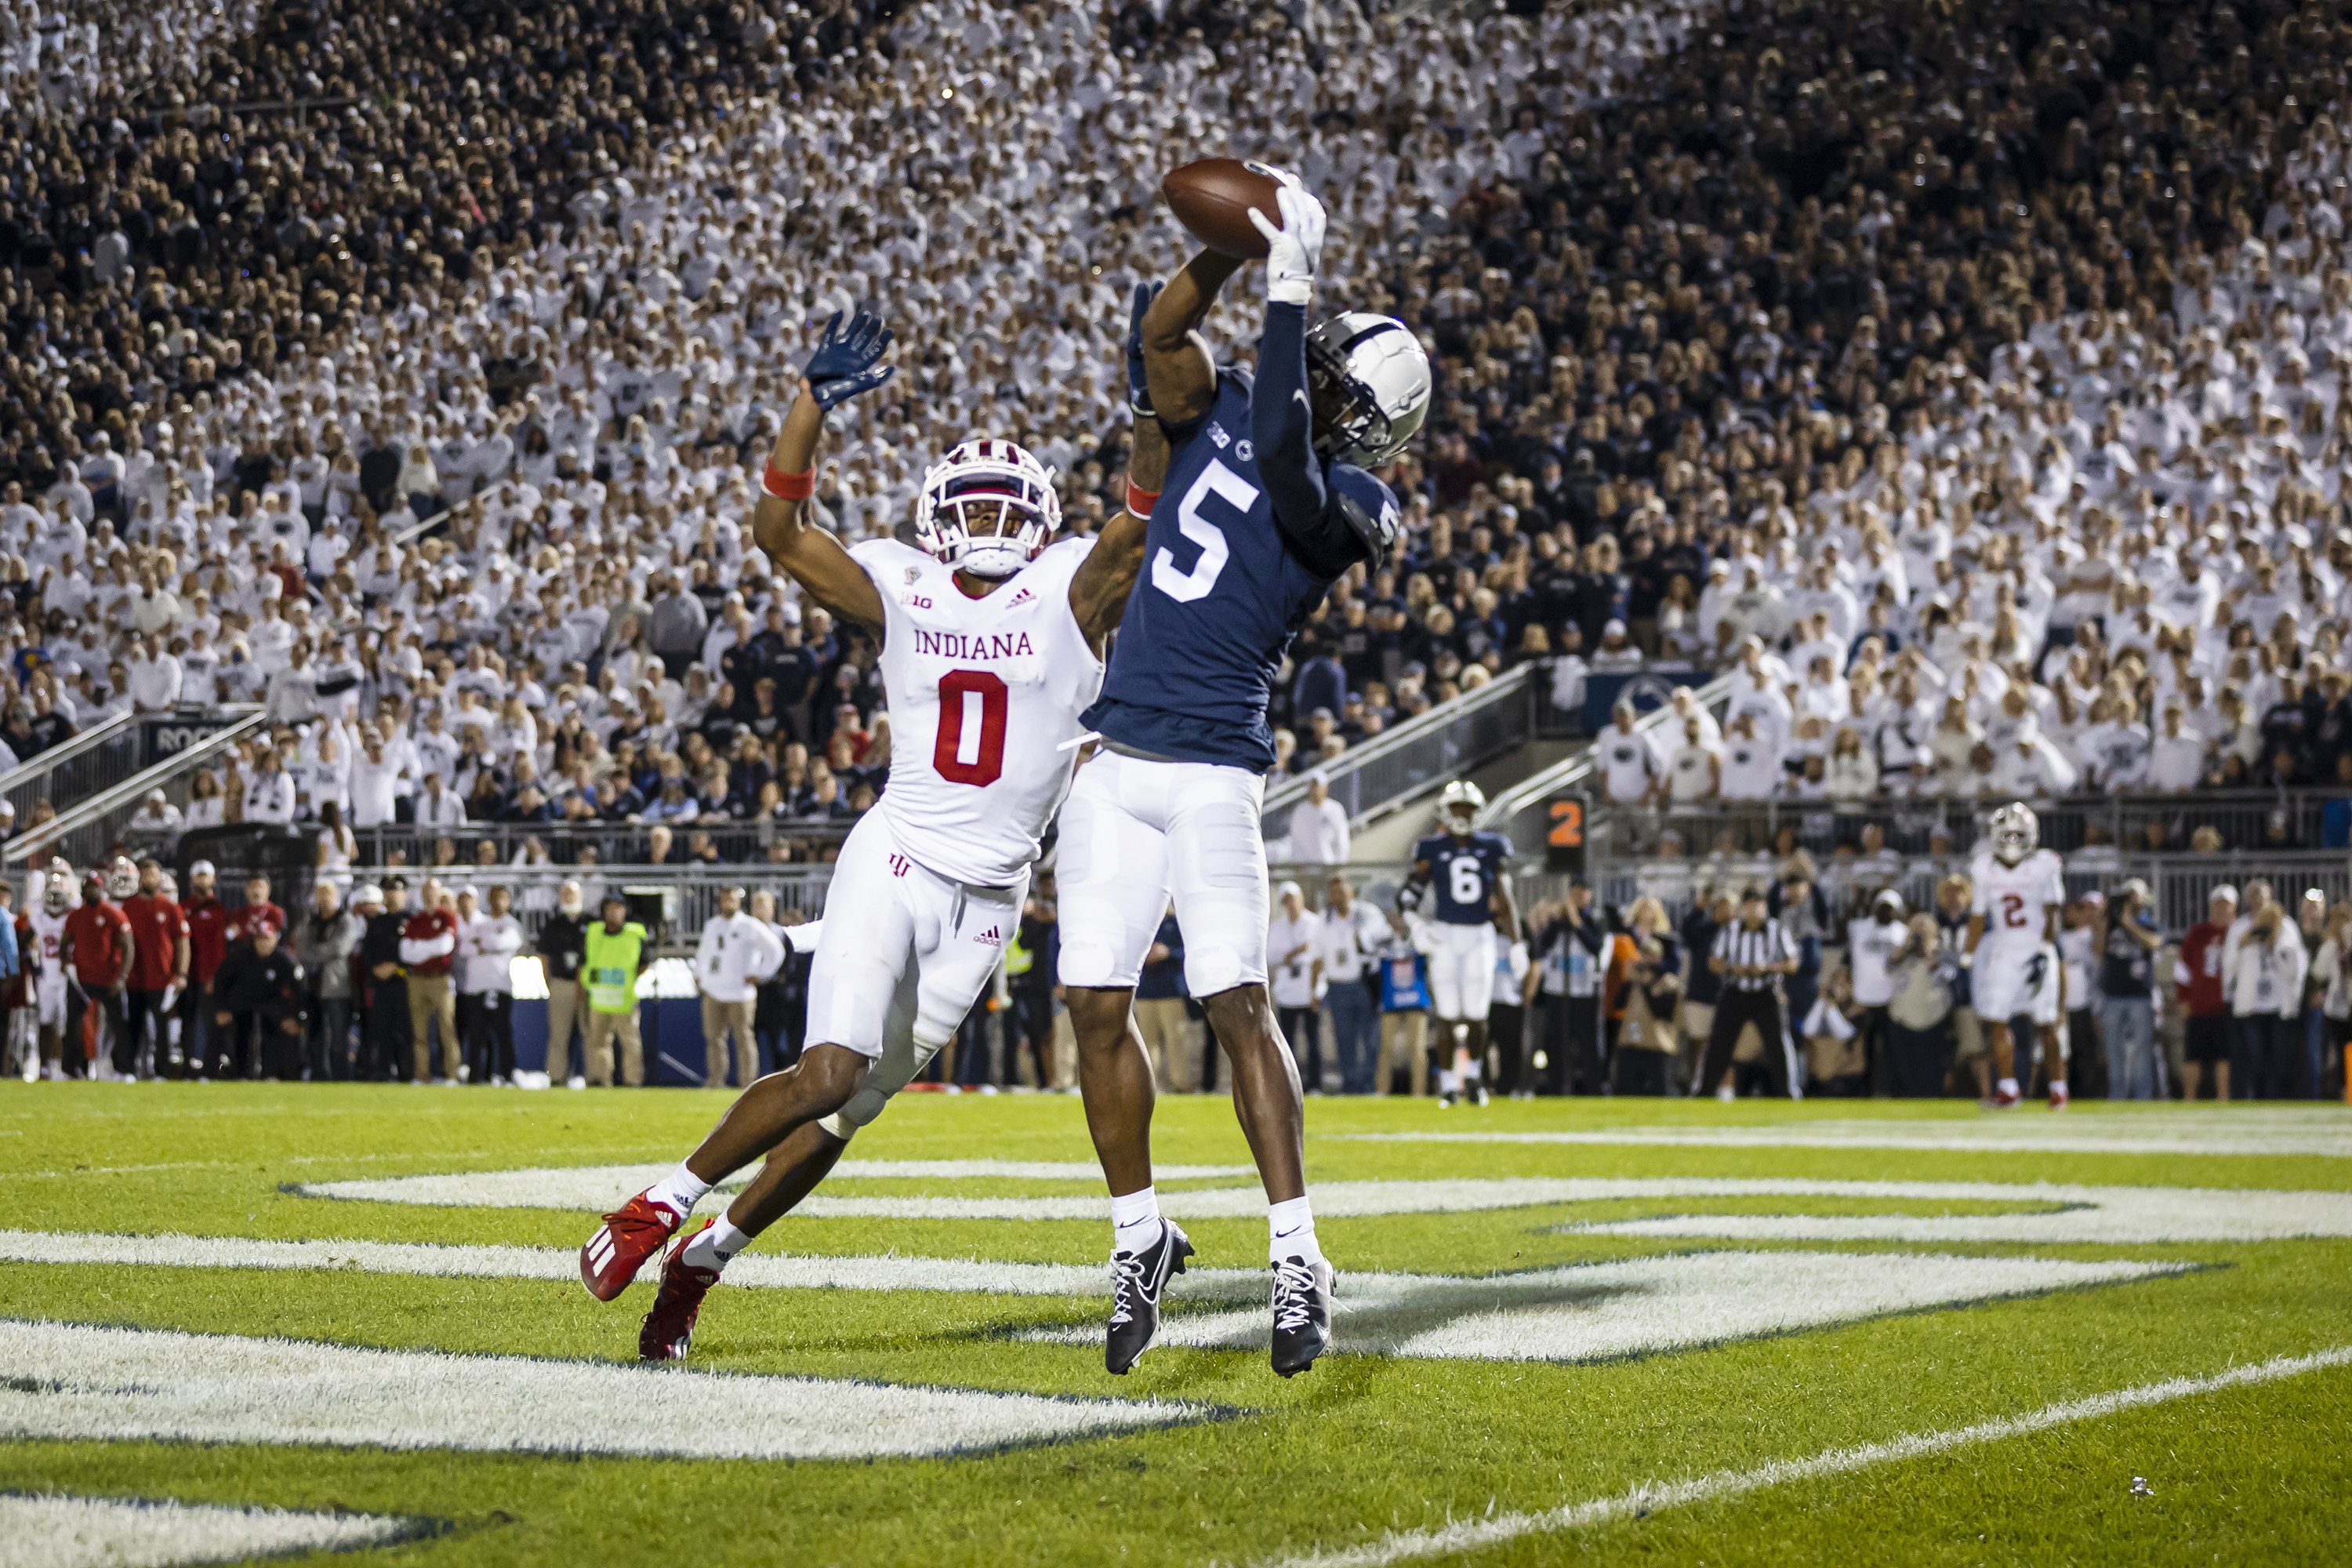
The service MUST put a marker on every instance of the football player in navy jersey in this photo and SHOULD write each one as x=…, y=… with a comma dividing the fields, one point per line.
x=1460, y=877
x=1268, y=498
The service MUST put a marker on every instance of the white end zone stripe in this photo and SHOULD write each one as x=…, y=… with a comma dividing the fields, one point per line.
x=54, y=1532
x=976, y=1276
x=603, y=1187
x=1642, y=1306
x=80, y=1382
x=2326, y=1136
x=1408, y=1545
x=2096, y=1216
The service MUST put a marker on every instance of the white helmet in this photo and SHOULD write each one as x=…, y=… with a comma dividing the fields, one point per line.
x=992, y=479
x=1374, y=369
x=57, y=891
x=122, y=877
x=1459, y=807
x=2015, y=833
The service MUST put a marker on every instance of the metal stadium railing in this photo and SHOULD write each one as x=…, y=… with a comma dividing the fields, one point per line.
x=1572, y=773
x=1429, y=750
x=602, y=843
x=689, y=894
x=91, y=827
x=75, y=768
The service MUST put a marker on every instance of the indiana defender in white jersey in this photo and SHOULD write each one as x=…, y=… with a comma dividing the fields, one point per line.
x=45, y=961
x=992, y=647
x=2014, y=916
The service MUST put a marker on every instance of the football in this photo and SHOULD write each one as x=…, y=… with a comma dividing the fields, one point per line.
x=1213, y=198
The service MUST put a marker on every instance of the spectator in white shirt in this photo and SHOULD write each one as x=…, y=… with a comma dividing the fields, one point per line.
x=155, y=677
x=2177, y=762
x=488, y=942
x=438, y=806
x=736, y=953
x=1293, y=939
x=1350, y=936
x=1318, y=832
x=269, y=793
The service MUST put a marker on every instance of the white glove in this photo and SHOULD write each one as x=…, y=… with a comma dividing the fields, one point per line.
x=1291, y=250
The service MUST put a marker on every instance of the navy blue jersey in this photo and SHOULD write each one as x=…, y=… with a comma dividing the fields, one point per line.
x=1222, y=592
x=1463, y=874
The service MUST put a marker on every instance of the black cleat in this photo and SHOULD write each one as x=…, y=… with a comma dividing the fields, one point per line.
x=1137, y=1279
x=1302, y=1313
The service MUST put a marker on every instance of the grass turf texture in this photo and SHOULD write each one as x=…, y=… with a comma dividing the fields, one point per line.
x=1359, y=1447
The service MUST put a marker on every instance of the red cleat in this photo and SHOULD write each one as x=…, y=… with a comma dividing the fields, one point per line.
x=669, y=1327
x=2001, y=1100
x=2057, y=1097
x=630, y=1235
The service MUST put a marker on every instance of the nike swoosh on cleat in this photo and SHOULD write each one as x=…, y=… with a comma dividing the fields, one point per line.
x=1294, y=1230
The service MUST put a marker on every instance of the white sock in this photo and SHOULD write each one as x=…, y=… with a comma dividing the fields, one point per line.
x=678, y=1192
x=2057, y=1085
x=1135, y=1225
x=1290, y=1232
x=1472, y=1071
x=712, y=1246
x=2006, y=1086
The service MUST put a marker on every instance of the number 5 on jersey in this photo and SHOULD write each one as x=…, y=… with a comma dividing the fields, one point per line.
x=1184, y=587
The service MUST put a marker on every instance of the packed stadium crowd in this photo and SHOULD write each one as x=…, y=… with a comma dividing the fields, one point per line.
x=1967, y=382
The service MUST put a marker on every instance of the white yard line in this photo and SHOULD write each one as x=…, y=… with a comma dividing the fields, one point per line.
x=1470, y=1535
x=2075, y=1214
x=78, y=1382
x=1641, y=1306
x=55, y=1531
x=1588, y=1312
x=601, y=1187
x=2328, y=1137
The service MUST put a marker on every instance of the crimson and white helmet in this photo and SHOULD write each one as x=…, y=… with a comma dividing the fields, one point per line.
x=57, y=891
x=997, y=487
x=2015, y=833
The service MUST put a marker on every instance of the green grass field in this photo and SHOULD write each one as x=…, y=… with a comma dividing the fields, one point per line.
x=1707, y=1333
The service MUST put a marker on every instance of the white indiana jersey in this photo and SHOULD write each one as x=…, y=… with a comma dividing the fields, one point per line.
x=984, y=700
x=2015, y=900
x=49, y=941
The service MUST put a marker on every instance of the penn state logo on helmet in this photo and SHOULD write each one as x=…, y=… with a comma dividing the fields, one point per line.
x=987, y=508
x=2015, y=833
x=1371, y=378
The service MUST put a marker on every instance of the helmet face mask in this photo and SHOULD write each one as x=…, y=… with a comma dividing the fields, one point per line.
x=58, y=893
x=2015, y=834
x=1458, y=807
x=987, y=508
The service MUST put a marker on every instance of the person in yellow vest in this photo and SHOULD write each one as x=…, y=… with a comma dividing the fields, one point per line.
x=614, y=956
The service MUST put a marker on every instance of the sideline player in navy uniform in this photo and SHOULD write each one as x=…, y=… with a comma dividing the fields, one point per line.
x=1461, y=877
x=1267, y=502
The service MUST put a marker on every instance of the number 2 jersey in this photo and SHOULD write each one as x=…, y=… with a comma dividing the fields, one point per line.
x=2014, y=901
x=985, y=695
x=1221, y=593
x=1463, y=876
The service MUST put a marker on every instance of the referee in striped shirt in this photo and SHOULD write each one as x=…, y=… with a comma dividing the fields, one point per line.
x=1751, y=954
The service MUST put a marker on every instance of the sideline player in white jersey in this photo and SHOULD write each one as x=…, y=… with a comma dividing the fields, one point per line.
x=2013, y=921
x=52, y=998
x=992, y=645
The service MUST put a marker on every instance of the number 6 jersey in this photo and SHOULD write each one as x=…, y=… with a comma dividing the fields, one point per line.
x=984, y=700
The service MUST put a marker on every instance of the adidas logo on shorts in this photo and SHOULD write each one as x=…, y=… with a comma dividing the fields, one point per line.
x=991, y=937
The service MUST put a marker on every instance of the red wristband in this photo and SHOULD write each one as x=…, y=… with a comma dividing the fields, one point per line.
x=1140, y=500
x=788, y=486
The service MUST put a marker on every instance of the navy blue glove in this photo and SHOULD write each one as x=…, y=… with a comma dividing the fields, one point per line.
x=847, y=359
x=1139, y=391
